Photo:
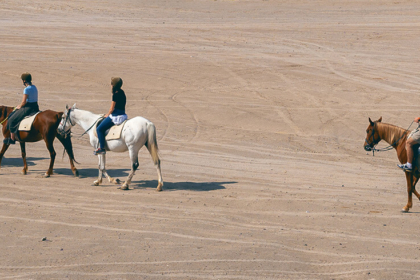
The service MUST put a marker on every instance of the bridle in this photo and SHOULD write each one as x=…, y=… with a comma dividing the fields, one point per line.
x=63, y=131
x=68, y=132
x=372, y=144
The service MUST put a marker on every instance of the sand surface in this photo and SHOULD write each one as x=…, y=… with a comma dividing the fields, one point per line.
x=261, y=109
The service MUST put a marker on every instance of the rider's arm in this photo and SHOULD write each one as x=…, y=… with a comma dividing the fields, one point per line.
x=25, y=96
x=110, y=109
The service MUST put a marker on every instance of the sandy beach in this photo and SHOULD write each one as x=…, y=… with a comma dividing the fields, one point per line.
x=261, y=110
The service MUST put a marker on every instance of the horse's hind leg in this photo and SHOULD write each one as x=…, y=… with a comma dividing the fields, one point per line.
x=134, y=156
x=49, y=142
x=23, y=150
x=159, y=172
x=66, y=142
x=153, y=152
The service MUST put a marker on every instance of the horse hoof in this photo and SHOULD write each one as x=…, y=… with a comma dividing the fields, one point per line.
x=24, y=172
x=76, y=173
x=115, y=181
x=95, y=183
x=124, y=187
x=46, y=175
x=405, y=210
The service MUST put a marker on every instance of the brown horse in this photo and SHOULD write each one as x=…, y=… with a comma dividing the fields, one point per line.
x=396, y=137
x=44, y=127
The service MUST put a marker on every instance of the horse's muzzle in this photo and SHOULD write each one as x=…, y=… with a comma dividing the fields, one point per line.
x=368, y=148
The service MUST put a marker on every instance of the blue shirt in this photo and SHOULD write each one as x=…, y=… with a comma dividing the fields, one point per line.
x=31, y=93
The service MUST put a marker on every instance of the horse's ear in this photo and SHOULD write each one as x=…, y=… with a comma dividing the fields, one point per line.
x=371, y=122
x=67, y=107
x=380, y=119
x=74, y=106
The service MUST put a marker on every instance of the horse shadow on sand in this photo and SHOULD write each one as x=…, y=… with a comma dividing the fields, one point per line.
x=30, y=161
x=186, y=186
x=145, y=184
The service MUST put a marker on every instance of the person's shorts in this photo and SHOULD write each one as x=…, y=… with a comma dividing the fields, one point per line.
x=415, y=135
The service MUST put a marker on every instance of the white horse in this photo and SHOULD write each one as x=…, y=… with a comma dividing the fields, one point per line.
x=137, y=132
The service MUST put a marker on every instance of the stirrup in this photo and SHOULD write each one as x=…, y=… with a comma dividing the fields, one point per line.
x=405, y=167
x=9, y=141
x=99, y=151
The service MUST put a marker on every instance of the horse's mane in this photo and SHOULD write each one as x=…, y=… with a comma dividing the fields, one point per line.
x=392, y=133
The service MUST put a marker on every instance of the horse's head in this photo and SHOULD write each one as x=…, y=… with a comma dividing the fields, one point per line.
x=66, y=121
x=3, y=113
x=372, y=135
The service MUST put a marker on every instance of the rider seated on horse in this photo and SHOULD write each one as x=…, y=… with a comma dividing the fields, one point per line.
x=412, y=140
x=28, y=106
x=116, y=114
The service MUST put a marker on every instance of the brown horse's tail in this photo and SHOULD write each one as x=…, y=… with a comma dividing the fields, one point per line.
x=68, y=147
x=65, y=141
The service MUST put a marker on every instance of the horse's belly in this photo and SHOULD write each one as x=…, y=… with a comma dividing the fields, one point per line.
x=117, y=146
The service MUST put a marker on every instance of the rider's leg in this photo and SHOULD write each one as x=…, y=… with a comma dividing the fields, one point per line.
x=410, y=153
x=101, y=129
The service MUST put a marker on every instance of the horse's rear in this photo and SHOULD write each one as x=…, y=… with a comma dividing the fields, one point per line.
x=138, y=132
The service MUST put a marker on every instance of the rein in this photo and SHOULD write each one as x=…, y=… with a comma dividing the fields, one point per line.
x=91, y=126
x=14, y=109
x=390, y=147
x=68, y=132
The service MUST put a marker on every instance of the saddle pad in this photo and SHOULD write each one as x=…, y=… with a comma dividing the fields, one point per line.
x=26, y=123
x=114, y=133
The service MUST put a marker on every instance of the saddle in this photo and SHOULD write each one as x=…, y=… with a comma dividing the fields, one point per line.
x=26, y=123
x=114, y=133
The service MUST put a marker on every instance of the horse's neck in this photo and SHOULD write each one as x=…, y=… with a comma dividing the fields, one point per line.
x=391, y=134
x=85, y=118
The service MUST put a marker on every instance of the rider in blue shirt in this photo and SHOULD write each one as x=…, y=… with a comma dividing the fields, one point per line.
x=28, y=106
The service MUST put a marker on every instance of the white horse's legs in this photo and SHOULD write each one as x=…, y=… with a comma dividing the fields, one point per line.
x=102, y=172
x=134, y=156
x=110, y=179
x=101, y=167
x=160, y=181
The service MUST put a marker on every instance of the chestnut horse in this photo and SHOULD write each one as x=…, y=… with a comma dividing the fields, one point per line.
x=44, y=128
x=396, y=137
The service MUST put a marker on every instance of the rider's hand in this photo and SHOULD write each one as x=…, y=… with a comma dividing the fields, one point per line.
x=417, y=119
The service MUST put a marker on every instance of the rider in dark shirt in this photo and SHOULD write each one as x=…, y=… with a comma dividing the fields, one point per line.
x=116, y=114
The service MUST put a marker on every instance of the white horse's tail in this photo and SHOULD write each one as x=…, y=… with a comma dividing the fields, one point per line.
x=151, y=144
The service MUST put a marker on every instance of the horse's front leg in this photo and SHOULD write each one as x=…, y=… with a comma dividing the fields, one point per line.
x=110, y=179
x=410, y=183
x=49, y=142
x=23, y=151
x=101, y=167
x=414, y=188
x=3, y=150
